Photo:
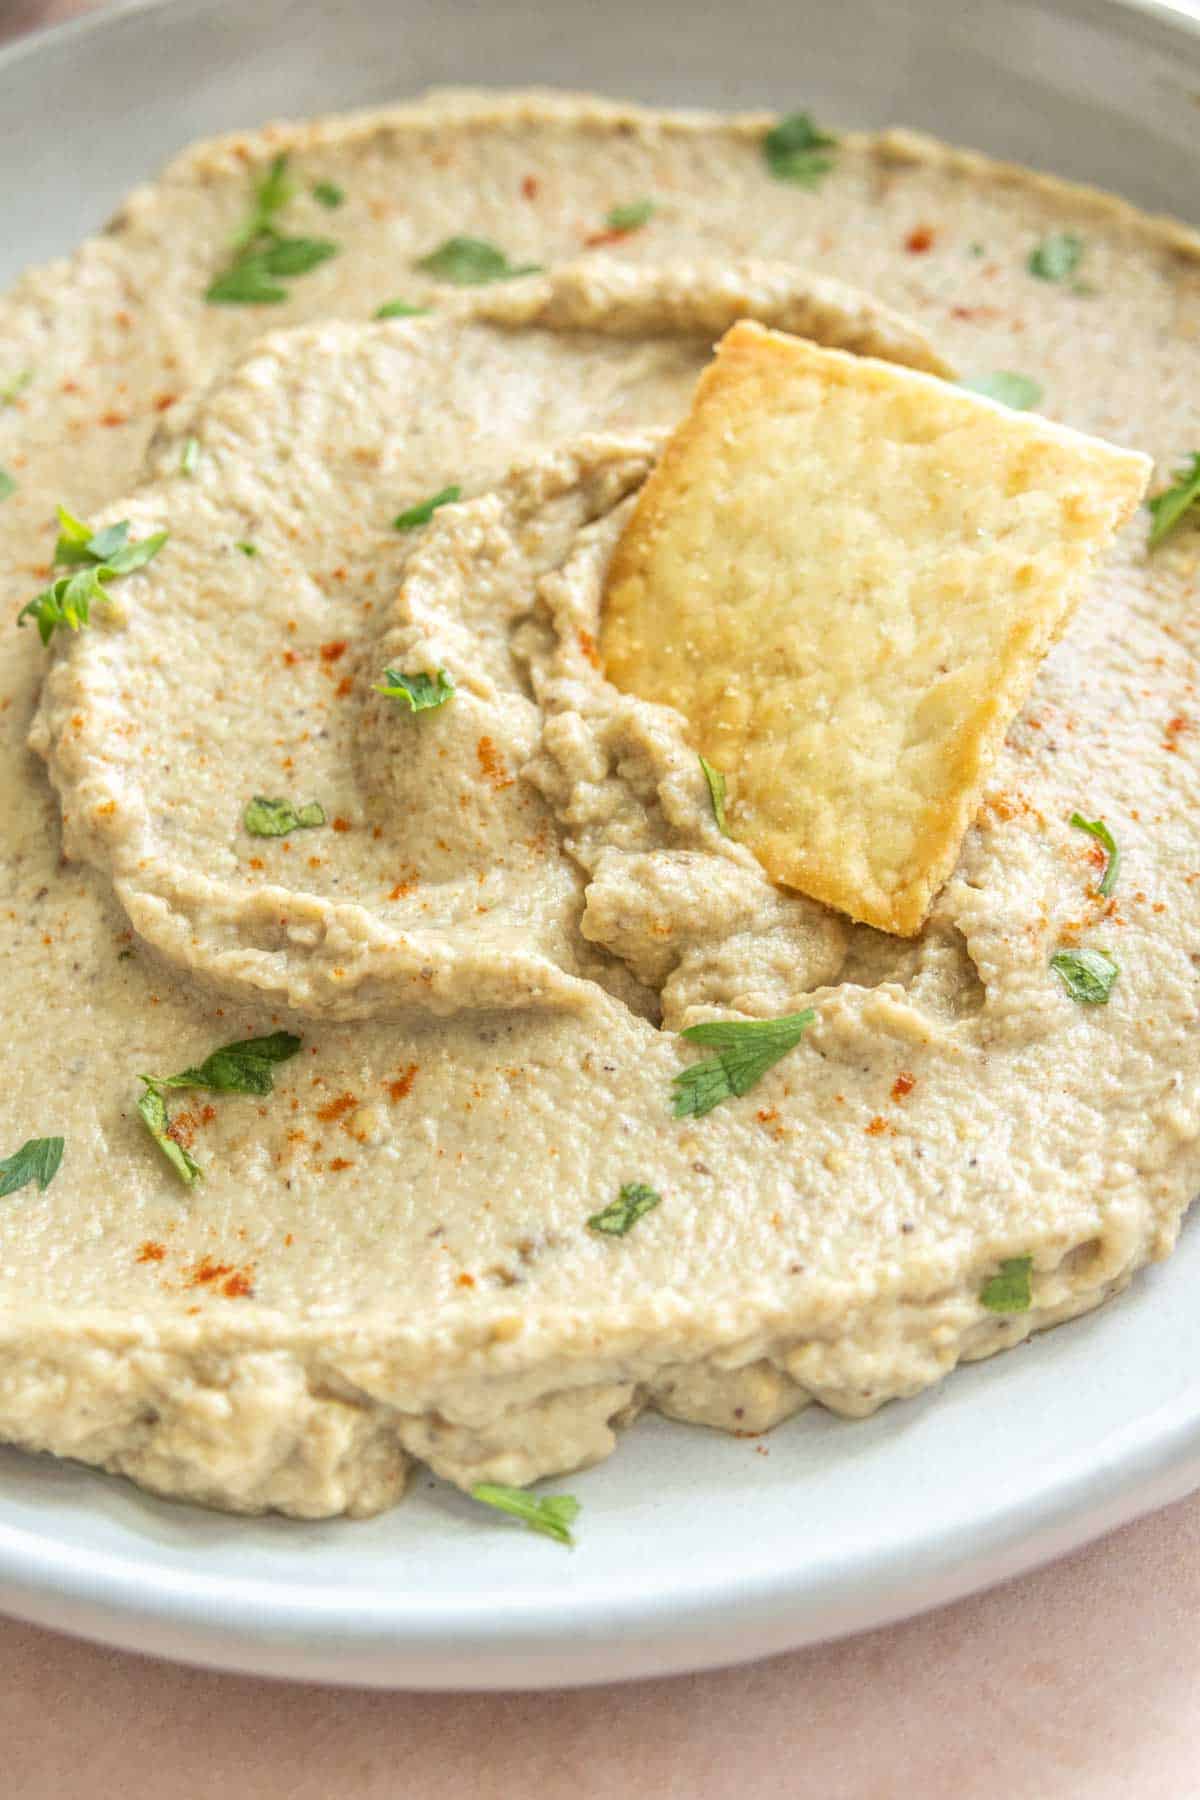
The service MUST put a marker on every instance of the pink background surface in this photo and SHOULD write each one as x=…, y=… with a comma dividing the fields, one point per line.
x=1080, y=1680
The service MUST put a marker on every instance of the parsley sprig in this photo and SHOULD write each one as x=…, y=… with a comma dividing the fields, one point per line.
x=471, y=262
x=425, y=509
x=97, y=557
x=746, y=1049
x=716, y=793
x=1087, y=975
x=244, y=1067
x=1009, y=1291
x=1056, y=256
x=419, y=692
x=269, y=818
x=1168, y=509
x=633, y=1202
x=36, y=1160
x=795, y=150
x=263, y=256
x=630, y=217
x=1099, y=830
x=551, y=1514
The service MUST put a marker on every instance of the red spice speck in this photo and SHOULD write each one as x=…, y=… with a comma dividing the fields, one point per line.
x=333, y=651
x=340, y=824
x=402, y=1086
x=877, y=1126
x=491, y=765
x=903, y=1084
x=587, y=644
x=238, y=1286
x=338, y=1163
x=114, y=418
x=151, y=1252
x=337, y=1109
x=465, y=1280
x=919, y=240
x=531, y=187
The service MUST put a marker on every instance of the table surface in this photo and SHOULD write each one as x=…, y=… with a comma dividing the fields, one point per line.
x=1076, y=1681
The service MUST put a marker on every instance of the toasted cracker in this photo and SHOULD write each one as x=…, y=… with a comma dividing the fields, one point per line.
x=844, y=575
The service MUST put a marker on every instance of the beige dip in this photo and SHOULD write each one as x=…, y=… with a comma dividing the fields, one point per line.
x=520, y=898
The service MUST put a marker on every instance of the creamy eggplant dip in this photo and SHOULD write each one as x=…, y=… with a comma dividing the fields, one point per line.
x=329, y=780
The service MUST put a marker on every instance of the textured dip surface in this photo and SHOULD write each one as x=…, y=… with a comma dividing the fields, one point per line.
x=519, y=898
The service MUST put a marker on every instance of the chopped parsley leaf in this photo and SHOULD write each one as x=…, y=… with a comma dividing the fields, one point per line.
x=400, y=309
x=264, y=817
x=244, y=1067
x=421, y=692
x=36, y=1160
x=98, y=558
x=471, y=261
x=328, y=193
x=189, y=456
x=633, y=1202
x=746, y=1049
x=247, y=549
x=1167, y=509
x=1087, y=975
x=15, y=385
x=7, y=484
x=1018, y=391
x=1009, y=1291
x=716, y=793
x=1100, y=831
x=262, y=255
x=632, y=216
x=1056, y=257
x=152, y=1109
x=794, y=150
x=551, y=1514
x=425, y=509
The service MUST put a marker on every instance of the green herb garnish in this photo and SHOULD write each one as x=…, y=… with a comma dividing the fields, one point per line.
x=1009, y=1291
x=1087, y=975
x=1056, y=257
x=7, y=484
x=36, y=1160
x=421, y=692
x=328, y=193
x=632, y=216
x=425, y=509
x=247, y=549
x=746, y=1049
x=98, y=558
x=716, y=793
x=152, y=1109
x=794, y=150
x=1018, y=391
x=1168, y=508
x=189, y=456
x=15, y=385
x=400, y=309
x=1100, y=831
x=244, y=1067
x=471, y=261
x=634, y=1201
x=551, y=1514
x=264, y=817
x=263, y=256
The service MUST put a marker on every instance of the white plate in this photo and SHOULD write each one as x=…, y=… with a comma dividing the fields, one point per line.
x=694, y=1549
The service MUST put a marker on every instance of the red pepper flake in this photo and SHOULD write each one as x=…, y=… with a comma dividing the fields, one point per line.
x=206, y=1271
x=587, y=644
x=334, y=651
x=256, y=862
x=531, y=187
x=877, y=1126
x=465, y=1280
x=919, y=240
x=164, y=401
x=903, y=1084
x=491, y=765
x=239, y=1286
x=337, y=1109
x=340, y=824
x=344, y=686
x=114, y=418
x=290, y=658
x=151, y=1252
x=338, y=1163
x=1174, y=727
x=402, y=1086
x=402, y=889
